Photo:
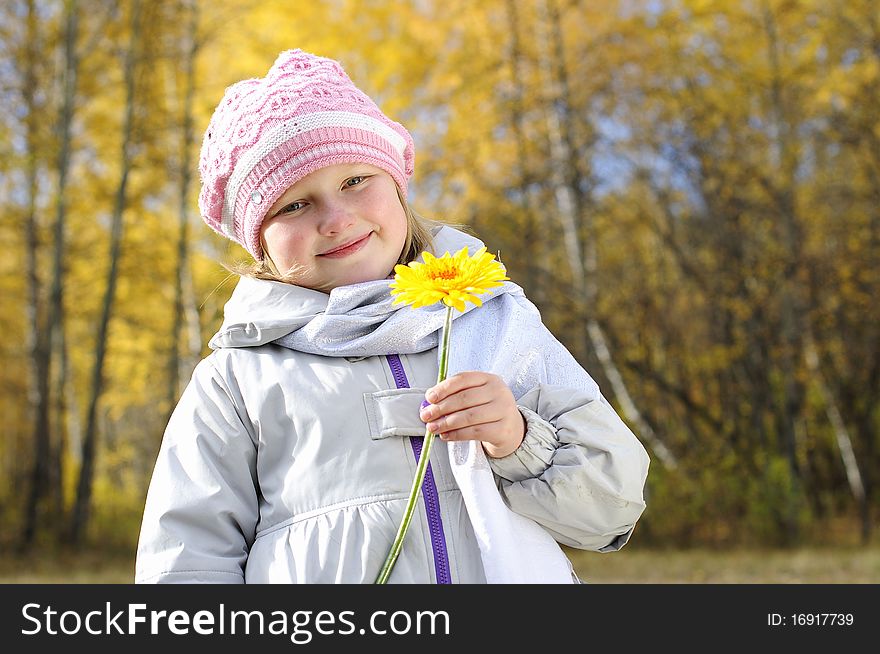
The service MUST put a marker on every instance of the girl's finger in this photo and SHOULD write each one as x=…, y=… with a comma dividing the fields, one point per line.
x=487, y=431
x=469, y=397
x=454, y=384
x=471, y=417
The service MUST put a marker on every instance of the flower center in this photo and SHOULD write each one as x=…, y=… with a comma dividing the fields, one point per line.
x=443, y=274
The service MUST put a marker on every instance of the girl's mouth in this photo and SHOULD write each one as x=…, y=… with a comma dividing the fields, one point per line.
x=348, y=249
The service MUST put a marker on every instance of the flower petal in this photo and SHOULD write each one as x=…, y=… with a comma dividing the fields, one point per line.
x=453, y=279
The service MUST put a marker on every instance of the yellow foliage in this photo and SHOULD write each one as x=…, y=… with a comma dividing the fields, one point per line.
x=722, y=158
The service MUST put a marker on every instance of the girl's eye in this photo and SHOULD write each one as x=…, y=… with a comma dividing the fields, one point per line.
x=290, y=208
x=354, y=181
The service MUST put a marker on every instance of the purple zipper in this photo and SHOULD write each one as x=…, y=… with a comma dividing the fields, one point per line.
x=429, y=488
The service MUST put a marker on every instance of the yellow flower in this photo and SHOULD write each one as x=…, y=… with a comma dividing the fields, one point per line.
x=453, y=280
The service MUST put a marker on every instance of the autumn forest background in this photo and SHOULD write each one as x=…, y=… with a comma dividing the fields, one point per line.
x=689, y=191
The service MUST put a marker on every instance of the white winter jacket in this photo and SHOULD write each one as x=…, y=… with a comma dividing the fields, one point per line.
x=282, y=466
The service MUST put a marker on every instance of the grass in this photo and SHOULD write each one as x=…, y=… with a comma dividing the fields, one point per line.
x=65, y=567
x=826, y=565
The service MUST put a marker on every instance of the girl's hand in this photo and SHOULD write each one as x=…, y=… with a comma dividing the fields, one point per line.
x=475, y=406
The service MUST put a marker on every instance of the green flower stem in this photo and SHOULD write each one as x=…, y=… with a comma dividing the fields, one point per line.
x=422, y=466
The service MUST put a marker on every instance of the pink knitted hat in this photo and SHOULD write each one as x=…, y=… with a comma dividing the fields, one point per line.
x=268, y=133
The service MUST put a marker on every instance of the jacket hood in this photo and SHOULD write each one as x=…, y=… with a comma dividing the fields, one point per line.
x=261, y=311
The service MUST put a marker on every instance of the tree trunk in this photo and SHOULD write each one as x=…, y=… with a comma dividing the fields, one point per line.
x=185, y=313
x=532, y=229
x=841, y=433
x=67, y=424
x=38, y=390
x=44, y=334
x=582, y=259
x=795, y=321
x=791, y=237
x=82, y=503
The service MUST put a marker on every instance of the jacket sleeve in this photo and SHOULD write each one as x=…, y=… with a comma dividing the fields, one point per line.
x=201, y=507
x=580, y=472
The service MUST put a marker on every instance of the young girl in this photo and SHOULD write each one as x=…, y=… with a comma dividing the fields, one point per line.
x=291, y=454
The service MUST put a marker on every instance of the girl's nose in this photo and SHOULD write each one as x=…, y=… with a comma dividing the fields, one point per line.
x=335, y=219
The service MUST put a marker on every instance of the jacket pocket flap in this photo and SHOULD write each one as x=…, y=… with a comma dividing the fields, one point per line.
x=395, y=412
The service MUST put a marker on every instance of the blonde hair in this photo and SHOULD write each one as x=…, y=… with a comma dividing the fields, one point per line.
x=419, y=238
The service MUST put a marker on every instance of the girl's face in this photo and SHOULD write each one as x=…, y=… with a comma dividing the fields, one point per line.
x=339, y=225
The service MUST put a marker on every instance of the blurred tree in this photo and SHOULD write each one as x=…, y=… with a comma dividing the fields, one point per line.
x=46, y=336
x=80, y=517
x=185, y=321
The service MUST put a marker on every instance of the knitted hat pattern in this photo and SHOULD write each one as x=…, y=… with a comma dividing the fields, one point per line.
x=268, y=133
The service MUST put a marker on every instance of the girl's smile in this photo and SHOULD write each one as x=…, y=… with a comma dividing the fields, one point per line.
x=348, y=248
